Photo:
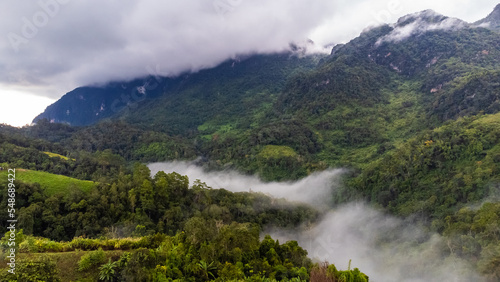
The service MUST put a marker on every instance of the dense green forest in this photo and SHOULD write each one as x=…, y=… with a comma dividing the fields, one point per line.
x=415, y=123
x=153, y=228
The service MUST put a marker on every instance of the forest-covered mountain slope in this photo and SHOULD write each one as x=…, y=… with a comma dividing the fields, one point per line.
x=237, y=86
x=343, y=109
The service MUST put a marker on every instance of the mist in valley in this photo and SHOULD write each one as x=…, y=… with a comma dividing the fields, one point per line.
x=314, y=189
x=384, y=247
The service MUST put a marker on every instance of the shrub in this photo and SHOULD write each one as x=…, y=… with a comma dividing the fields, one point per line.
x=124, y=244
x=39, y=269
x=91, y=259
x=47, y=245
x=108, y=244
x=84, y=244
x=67, y=247
x=150, y=241
x=124, y=258
x=137, y=265
x=28, y=246
x=108, y=271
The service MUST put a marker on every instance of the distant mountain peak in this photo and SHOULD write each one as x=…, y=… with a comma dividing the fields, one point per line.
x=496, y=11
x=419, y=23
x=492, y=21
x=429, y=16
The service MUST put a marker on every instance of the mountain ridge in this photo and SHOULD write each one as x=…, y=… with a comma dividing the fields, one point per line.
x=116, y=97
x=492, y=21
x=88, y=105
x=363, y=98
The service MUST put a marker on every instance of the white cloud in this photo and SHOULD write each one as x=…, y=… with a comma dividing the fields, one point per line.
x=86, y=42
x=15, y=104
x=485, y=24
x=314, y=189
x=420, y=24
x=350, y=18
x=53, y=46
x=383, y=247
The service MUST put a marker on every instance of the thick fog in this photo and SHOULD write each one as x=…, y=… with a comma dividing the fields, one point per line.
x=384, y=247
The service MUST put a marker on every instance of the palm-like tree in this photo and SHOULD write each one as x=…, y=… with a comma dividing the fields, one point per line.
x=107, y=271
x=207, y=268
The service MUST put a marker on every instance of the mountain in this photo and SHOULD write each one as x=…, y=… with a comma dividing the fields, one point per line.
x=284, y=116
x=88, y=105
x=180, y=97
x=436, y=48
x=492, y=21
x=309, y=112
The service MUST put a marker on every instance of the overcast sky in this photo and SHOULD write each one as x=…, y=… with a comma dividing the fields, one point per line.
x=50, y=47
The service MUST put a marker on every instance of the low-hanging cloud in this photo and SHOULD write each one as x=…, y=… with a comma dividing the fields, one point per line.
x=421, y=25
x=64, y=42
x=384, y=247
x=315, y=189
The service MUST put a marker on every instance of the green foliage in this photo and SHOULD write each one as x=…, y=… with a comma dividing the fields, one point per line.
x=474, y=233
x=276, y=152
x=233, y=91
x=207, y=269
x=91, y=260
x=232, y=253
x=470, y=94
x=436, y=177
x=230, y=271
x=279, y=163
x=54, y=155
x=107, y=271
x=39, y=269
x=336, y=82
x=328, y=272
x=490, y=262
x=138, y=205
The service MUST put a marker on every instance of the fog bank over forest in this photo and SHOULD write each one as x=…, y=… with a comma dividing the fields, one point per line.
x=314, y=189
x=384, y=247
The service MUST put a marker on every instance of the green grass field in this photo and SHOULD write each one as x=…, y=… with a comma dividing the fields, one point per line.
x=52, y=183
